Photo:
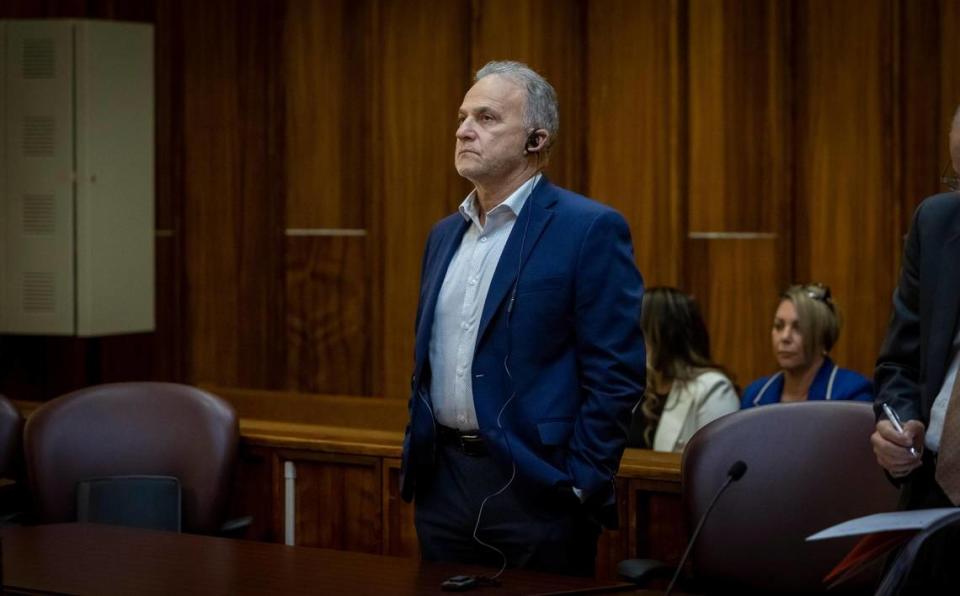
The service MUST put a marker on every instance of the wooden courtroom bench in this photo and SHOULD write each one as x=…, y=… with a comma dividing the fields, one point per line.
x=323, y=471
x=345, y=452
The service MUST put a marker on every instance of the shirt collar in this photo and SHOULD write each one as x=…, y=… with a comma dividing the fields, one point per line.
x=515, y=202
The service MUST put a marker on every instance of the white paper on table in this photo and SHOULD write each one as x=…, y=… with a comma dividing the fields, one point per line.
x=917, y=519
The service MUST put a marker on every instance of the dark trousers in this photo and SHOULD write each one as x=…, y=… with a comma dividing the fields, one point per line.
x=553, y=534
x=936, y=569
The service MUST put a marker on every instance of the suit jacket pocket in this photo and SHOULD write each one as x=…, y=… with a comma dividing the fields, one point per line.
x=540, y=284
x=555, y=432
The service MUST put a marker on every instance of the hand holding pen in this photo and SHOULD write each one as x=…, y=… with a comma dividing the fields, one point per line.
x=894, y=419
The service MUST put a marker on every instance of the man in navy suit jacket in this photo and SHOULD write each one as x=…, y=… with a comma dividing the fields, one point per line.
x=529, y=356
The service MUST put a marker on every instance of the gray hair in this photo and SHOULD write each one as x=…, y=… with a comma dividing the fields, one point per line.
x=955, y=127
x=540, y=110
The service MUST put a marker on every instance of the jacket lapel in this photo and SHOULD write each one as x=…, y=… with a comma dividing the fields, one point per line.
x=943, y=323
x=526, y=231
x=818, y=387
x=447, y=248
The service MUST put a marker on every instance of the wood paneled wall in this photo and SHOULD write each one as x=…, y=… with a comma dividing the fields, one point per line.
x=846, y=212
x=636, y=127
x=305, y=150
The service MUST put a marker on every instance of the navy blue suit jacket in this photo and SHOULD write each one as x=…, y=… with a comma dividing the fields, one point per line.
x=571, y=333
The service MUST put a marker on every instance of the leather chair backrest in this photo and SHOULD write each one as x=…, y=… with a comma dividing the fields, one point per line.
x=121, y=429
x=810, y=465
x=11, y=430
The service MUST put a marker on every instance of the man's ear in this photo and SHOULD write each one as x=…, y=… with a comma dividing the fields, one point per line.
x=536, y=141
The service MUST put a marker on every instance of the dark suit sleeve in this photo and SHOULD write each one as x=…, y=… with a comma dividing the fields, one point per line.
x=407, y=456
x=897, y=375
x=427, y=249
x=610, y=353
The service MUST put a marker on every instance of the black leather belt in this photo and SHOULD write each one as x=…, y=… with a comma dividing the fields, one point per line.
x=468, y=441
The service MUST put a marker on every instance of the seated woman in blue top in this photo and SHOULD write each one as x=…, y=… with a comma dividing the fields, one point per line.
x=805, y=327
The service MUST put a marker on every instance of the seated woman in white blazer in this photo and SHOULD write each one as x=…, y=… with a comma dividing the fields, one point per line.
x=685, y=389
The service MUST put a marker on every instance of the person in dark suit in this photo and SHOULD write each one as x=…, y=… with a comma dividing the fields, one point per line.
x=916, y=373
x=529, y=356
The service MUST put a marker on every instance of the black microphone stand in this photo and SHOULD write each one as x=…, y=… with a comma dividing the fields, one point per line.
x=736, y=471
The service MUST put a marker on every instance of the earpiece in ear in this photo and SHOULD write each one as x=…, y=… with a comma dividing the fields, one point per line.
x=532, y=141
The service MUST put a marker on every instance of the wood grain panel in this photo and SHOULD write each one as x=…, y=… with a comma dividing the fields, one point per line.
x=739, y=120
x=423, y=74
x=338, y=502
x=737, y=282
x=328, y=324
x=549, y=37
x=168, y=133
x=919, y=94
x=636, y=125
x=399, y=533
x=847, y=208
x=328, y=54
x=657, y=526
x=169, y=354
x=41, y=368
x=126, y=10
x=252, y=493
x=949, y=70
x=233, y=245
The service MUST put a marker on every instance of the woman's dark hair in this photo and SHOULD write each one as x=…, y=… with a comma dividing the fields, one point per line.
x=679, y=345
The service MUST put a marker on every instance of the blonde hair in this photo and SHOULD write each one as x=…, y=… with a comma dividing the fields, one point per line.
x=817, y=317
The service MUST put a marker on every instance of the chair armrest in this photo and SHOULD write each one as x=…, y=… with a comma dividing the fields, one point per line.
x=234, y=528
x=643, y=571
x=12, y=518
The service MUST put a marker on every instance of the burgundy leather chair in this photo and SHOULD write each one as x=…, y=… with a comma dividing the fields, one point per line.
x=129, y=429
x=11, y=430
x=810, y=465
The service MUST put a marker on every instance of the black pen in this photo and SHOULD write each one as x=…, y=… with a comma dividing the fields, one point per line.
x=895, y=421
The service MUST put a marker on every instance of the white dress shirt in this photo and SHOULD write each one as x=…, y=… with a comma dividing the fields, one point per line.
x=460, y=305
x=939, y=409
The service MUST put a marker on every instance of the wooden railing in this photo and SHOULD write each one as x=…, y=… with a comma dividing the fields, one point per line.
x=321, y=470
x=345, y=453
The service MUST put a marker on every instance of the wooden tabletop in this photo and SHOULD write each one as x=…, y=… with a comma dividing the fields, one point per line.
x=87, y=559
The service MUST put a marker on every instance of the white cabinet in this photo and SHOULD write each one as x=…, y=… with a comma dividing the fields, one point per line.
x=76, y=177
